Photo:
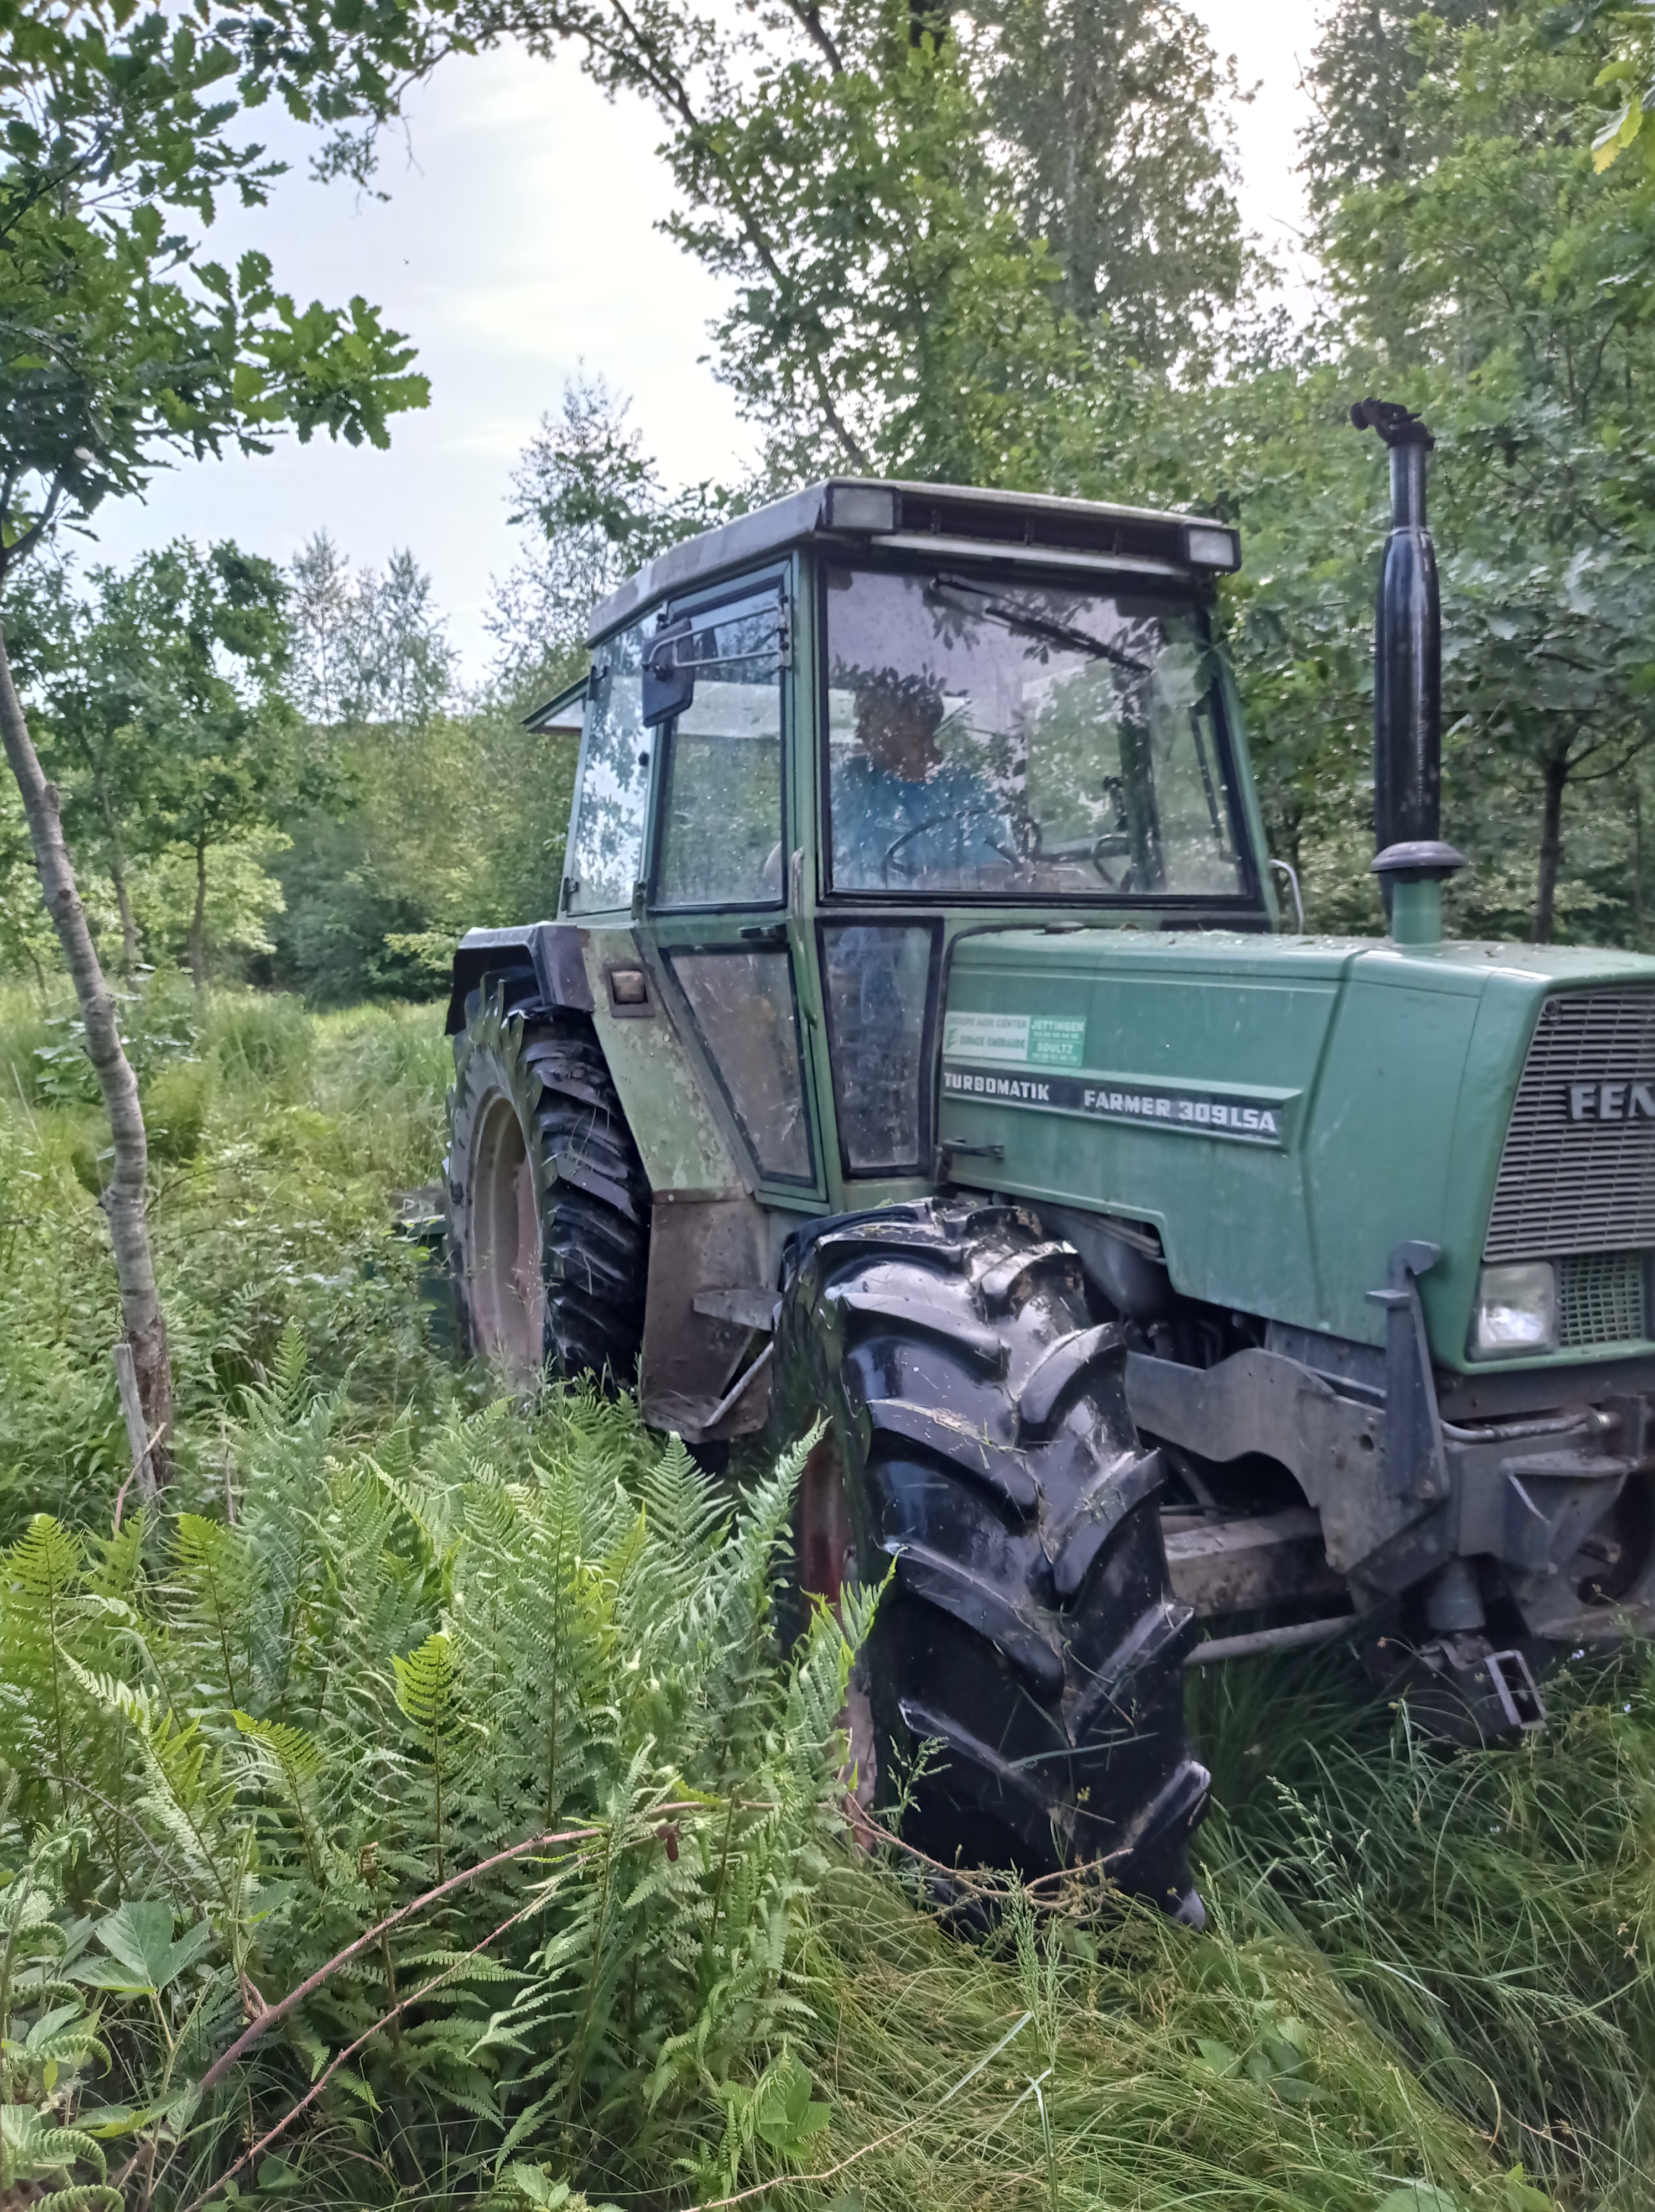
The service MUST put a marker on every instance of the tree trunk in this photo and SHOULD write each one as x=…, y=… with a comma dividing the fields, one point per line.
x=199, y=919
x=124, y=1200
x=1637, y=855
x=1551, y=848
x=117, y=877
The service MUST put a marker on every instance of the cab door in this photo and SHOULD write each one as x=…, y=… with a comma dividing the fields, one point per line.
x=716, y=697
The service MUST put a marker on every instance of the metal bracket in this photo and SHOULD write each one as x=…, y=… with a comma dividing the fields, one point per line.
x=754, y=1309
x=950, y=1148
x=1518, y=1691
x=1415, y=1465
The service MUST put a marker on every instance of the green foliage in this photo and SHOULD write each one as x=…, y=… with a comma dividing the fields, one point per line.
x=127, y=342
x=405, y=1657
x=456, y=823
x=277, y=1141
x=154, y=702
x=1115, y=119
x=1628, y=79
x=1488, y=1912
x=593, y=502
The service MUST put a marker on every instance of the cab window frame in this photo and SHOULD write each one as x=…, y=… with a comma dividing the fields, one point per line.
x=854, y=914
x=1247, y=902
x=777, y=947
x=775, y=579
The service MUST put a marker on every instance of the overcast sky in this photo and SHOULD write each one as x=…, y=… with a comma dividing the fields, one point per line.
x=519, y=240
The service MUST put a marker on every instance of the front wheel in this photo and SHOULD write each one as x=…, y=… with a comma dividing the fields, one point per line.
x=548, y=1205
x=1025, y=1664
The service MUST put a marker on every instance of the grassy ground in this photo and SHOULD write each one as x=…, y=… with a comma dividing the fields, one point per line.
x=1425, y=1983
x=277, y=1138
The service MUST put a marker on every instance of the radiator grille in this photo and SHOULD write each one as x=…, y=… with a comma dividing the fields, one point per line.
x=1585, y=1186
x=1601, y=1299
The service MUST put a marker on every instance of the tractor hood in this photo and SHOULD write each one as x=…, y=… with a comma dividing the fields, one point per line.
x=1284, y=1113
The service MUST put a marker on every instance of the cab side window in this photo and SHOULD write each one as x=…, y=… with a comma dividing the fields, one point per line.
x=606, y=848
x=721, y=813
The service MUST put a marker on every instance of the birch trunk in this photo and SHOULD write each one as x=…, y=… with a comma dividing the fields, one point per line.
x=124, y=1201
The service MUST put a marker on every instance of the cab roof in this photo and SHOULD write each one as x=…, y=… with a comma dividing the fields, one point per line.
x=859, y=513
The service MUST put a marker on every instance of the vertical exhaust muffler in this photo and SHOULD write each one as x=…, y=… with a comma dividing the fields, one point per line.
x=1412, y=859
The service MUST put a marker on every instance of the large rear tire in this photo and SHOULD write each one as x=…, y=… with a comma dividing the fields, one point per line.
x=990, y=1462
x=548, y=1205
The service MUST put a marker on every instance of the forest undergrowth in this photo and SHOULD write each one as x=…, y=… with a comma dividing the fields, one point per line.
x=416, y=1807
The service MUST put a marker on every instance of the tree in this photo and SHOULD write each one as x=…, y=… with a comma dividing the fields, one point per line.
x=368, y=647
x=840, y=167
x=1367, y=66
x=124, y=345
x=1369, y=132
x=1504, y=255
x=1553, y=672
x=593, y=506
x=156, y=709
x=1113, y=112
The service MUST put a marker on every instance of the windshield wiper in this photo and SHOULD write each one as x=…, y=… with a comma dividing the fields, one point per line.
x=976, y=599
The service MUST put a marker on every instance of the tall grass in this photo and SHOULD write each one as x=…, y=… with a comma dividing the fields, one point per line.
x=277, y=1139
x=1425, y=1972
x=1490, y=1912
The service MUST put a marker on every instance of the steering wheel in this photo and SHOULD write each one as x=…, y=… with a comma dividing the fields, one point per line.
x=936, y=822
x=1097, y=854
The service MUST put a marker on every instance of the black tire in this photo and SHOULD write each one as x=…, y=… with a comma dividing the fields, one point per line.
x=548, y=1205
x=1029, y=1626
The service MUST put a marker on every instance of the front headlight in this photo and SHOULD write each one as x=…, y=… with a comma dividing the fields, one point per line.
x=1516, y=1311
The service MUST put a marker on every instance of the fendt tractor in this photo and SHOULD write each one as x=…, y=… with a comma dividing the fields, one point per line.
x=918, y=1046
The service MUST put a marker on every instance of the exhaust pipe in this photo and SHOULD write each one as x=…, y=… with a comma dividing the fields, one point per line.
x=1412, y=859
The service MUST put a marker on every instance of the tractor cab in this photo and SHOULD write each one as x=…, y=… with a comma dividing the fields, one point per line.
x=821, y=743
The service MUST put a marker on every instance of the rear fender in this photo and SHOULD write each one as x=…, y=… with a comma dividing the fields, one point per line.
x=714, y=1252
x=552, y=949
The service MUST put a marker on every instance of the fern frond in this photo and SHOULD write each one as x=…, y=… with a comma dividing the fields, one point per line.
x=214, y=1581
x=429, y=1696
x=295, y=1762
x=686, y=1507
x=31, y=2144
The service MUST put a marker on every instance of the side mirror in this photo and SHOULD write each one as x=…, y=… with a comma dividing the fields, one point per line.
x=669, y=674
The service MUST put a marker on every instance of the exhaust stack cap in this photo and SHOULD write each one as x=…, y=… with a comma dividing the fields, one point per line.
x=1418, y=860
x=1413, y=872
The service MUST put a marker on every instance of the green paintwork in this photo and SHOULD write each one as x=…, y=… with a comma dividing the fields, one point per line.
x=661, y=1089
x=1395, y=1065
x=1388, y=1069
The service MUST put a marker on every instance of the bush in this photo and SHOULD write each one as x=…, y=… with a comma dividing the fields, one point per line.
x=276, y=1154
x=509, y=1685
x=25, y=1031
x=261, y=1042
x=175, y=1102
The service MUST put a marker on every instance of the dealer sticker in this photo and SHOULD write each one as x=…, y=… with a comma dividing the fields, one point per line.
x=1016, y=1040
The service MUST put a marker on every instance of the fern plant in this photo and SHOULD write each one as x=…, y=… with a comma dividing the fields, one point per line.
x=460, y=1789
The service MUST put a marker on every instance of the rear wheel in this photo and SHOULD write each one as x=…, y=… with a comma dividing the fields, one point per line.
x=548, y=1205
x=990, y=1462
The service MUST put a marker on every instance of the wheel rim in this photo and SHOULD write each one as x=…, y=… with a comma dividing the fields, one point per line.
x=508, y=1303
x=824, y=1539
x=827, y=1560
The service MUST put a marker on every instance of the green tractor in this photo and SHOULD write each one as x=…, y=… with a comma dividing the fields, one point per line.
x=918, y=1045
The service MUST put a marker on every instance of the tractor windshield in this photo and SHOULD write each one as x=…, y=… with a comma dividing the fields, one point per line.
x=1023, y=740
